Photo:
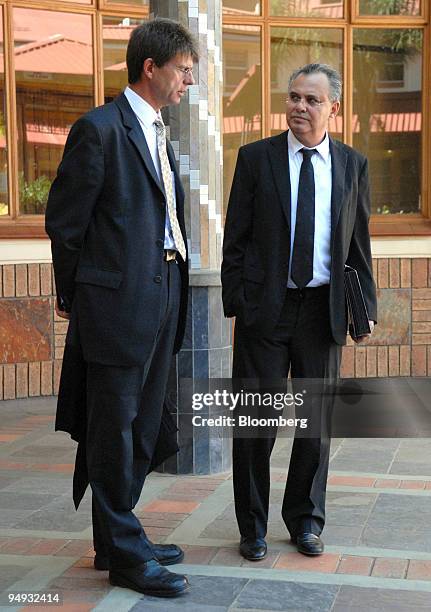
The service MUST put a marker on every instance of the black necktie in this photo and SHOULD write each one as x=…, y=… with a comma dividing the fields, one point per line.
x=303, y=244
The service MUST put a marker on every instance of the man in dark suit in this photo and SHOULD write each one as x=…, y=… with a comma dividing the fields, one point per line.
x=298, y=212
x=115, y=217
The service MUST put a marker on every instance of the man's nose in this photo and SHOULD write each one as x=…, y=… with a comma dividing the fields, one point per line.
x=301, y=105
x=190, y=79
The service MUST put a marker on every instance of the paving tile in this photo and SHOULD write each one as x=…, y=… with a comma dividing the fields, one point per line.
x=419, y=570
x=206, y=593
x=227, y=556
x=286, y=596
x=11, y=518
x=75, y=547
x=54, y=485
x=389, y=568
x=198, y=555
x=401, y=511
x=351, y=481
x=412, y=484
x=386, y=483
x=295, y=561
x=409, y=538
x=162, y=505
x=270, y=560
x=356, y=599
x=47, y=547
x=10, y=574
x=17, y=546
x=24, y=501
x=348, y=508
x=350, y=564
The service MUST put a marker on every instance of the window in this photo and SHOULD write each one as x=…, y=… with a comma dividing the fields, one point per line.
x=378, y=46
x=64, y=62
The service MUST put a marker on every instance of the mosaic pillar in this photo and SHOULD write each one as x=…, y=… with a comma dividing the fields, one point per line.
x=195, y=133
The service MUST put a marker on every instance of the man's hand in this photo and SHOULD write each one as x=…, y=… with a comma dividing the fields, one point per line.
x=61, y=313
x=360, y=339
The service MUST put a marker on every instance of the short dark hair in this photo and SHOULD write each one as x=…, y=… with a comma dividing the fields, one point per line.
x=160, y=39
x=334, y=78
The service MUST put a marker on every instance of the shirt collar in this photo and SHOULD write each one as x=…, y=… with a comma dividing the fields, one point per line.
x=144, y=111
x=294, y=146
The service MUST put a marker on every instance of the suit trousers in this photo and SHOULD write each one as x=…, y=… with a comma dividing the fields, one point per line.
x=301, y=343
x=124, y=408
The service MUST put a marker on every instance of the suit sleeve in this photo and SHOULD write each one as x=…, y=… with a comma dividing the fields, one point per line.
x=237, y=233
x=359, y=256
x=71, y=202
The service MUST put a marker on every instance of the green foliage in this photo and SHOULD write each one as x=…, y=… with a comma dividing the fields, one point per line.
x=33, y=195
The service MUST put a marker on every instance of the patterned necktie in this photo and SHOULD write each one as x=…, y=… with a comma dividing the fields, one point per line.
x=167, y=182
x=303, y=244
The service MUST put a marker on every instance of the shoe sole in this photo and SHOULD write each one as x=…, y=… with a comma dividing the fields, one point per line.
x=310, y=554
x=178, y=559
x=254, y=558
x=125, y=584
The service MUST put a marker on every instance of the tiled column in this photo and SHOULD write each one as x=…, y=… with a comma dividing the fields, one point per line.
x=195, y=134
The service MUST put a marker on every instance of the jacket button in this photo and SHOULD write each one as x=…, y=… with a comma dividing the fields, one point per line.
x=157, y=279
x=160, y=242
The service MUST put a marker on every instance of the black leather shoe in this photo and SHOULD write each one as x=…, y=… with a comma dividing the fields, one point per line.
x=308, y=544
x=150, y=578
x=165, y=554
x=253, y=549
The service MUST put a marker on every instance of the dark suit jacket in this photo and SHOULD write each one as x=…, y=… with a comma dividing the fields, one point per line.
x=256, y=249
x=106, y=220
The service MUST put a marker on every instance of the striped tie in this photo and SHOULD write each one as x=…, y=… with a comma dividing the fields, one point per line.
x=167, y=182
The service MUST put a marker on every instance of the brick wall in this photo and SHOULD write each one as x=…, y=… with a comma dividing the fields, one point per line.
x=401, y=343
x=32, y=336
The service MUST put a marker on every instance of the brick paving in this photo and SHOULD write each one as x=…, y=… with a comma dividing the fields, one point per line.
x=197, y=513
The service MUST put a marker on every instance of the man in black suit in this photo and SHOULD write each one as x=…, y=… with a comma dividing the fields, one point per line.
x=115, y=217
x=298, y=212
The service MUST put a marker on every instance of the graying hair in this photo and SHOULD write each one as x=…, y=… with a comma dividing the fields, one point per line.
x=334, y=78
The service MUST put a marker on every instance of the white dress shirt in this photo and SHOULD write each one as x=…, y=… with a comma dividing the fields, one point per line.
x=146, y=116
x=322, y=167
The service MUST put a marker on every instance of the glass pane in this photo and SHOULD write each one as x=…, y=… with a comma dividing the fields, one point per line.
x=331, y=9
x=241, y=7
x=116, y=33
x=389, y=7
x=54, y=86
x=387, y=68
x=242, y=94
x=295, y=47
x=4, y=197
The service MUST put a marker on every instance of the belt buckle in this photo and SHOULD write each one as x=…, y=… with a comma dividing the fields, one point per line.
x=170, y=255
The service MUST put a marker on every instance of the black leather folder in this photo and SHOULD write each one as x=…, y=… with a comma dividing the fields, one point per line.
x=358, y=314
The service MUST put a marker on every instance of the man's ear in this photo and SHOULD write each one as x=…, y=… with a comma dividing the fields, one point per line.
x=148, y=67
x=335, y=108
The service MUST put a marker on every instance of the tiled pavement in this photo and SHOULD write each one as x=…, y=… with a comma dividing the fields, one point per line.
x=378, y=536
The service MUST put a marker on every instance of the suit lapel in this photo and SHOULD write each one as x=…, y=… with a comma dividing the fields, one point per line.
x=136, y=135
x=279, y=159
x=339, y=163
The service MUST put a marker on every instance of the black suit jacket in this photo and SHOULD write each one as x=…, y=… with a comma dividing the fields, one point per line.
x=256, y=249
x=106, y=220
